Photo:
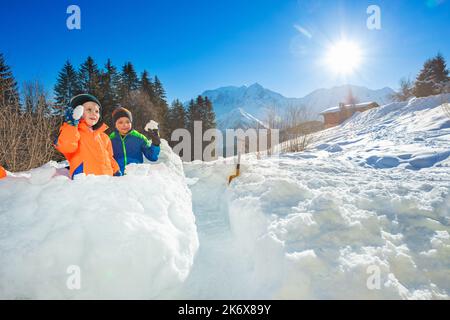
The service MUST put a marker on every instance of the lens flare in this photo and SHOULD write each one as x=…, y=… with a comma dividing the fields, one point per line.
x=344, y=57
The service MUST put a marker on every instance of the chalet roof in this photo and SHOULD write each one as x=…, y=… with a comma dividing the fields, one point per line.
x=356, y=106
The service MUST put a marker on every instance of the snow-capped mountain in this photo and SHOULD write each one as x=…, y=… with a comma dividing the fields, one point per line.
x=238, y=118
x=256, y=100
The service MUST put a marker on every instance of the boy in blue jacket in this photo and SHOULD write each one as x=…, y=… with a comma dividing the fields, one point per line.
x=130, y=146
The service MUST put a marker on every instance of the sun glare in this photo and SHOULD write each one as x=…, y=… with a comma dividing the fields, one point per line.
x=344, y=57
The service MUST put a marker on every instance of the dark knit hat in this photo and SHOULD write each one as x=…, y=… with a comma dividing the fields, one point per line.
x=86, y=97
x=121, y=112
x=82, y=98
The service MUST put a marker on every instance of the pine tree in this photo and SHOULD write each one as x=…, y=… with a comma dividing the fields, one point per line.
x=159, y=90
x=109, y=86
x=146, y=85
x=89, y=76
x=201, y=110
x=161, y=105
x=176, y=119
x=424, y=84
x=9, y=93
x=67, y=85
x=200, y=103
x=440, y=73
x=128, y=81
x=133, y=98
x=141, y=107
x=193, y=114
x=176, y=116
x=208, y=115
x=433, y=77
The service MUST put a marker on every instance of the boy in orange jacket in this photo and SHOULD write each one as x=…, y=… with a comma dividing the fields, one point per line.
x=2, y=172
x=83, y=141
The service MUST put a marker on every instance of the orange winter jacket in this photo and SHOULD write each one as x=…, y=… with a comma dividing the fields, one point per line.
x=87, y=151
x=2, y=172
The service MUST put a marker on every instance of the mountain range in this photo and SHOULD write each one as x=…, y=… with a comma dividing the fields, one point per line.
x=244, y=105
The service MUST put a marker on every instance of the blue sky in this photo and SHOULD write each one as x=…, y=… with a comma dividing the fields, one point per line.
x=197, y=45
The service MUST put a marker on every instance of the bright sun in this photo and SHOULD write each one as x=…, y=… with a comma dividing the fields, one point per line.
x=344, y=57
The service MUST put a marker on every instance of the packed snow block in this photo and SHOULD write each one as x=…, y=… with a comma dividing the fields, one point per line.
x=96, y=237
x=169, y=158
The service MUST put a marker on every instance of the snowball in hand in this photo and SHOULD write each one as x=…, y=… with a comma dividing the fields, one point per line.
x=78, y=112
x=152, y=125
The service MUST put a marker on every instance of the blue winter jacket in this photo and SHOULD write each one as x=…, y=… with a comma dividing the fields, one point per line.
x=131, y=148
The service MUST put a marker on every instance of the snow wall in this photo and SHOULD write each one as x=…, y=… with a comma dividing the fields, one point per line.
x=96, y=237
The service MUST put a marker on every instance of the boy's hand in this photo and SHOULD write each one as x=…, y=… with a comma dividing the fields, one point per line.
x=72, y=117
x=152, y=129
x=154, y=136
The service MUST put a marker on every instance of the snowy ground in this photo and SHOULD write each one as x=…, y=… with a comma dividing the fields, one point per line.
x=371, y=197
x=368, y=201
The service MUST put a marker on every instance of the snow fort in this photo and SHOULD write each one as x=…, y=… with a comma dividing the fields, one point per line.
x=96, y=237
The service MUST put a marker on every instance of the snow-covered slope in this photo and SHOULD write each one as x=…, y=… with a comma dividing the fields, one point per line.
x=409, y=135
x=125, y=237
x=363, y=214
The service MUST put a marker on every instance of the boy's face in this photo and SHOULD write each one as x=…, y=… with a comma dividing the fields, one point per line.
x=123, y=125
x=91, y=113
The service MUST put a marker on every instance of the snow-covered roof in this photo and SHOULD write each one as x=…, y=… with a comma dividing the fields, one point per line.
x=356, y=106
x=330, y=110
